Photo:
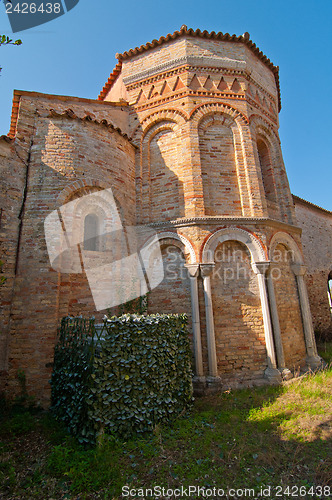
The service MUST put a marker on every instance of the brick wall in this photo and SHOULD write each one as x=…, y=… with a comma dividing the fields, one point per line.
x=316, y=227
x=164, y=183
x=289, y=312
x=67, y=155
x=219, y=168
x=172, y=296
x=239, y=328
x=12, y=182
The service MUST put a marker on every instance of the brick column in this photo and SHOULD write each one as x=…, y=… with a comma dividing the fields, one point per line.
x=271, y=372
x=313, y=360
x=193, y=271
x=285, y=372
x=206, y=270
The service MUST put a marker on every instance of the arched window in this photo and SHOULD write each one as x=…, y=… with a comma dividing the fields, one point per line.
x=329, y=290
x=91, y=232
x=267, y=170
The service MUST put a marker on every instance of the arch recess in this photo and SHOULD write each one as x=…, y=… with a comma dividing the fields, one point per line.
x=268, y=134
x=87, y=183
x=203, y=110
x=157, y=127
x=286, y=240
x=178, y=238
x=216, y=118
x=233, y=233
x=258, y=123
x=231, y=161
x=170, y=115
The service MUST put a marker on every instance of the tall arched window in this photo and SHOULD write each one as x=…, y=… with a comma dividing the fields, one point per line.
x=220, y=180
x=267, y=170
x=91, y=232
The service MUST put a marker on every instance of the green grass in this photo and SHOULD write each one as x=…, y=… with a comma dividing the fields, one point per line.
x=238, y=439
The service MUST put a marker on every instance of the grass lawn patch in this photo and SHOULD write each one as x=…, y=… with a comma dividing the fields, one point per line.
x=238, y=439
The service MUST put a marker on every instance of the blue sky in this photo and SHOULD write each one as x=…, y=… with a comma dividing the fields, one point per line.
x=74, y=54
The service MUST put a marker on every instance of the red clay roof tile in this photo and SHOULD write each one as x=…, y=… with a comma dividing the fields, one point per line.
x=113, y=76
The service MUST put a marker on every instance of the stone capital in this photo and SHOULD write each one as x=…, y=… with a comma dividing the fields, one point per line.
x=193, y=270
x=299, y=269
x=261, y=267
x=206, y=269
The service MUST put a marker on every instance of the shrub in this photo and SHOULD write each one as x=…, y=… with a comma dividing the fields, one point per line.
x=123, y=378
x=71, y=376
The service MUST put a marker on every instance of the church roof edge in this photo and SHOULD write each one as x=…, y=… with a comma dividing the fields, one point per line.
x=297, y=199
x=184, y=31
x=19, y=93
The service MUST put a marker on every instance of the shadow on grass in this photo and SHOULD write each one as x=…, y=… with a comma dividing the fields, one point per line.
x=241, y=439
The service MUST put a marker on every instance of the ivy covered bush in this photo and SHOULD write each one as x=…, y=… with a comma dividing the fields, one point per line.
x=71, y=376
x=121, y=378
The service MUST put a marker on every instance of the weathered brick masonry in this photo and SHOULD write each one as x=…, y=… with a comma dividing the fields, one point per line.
x=185, y=132
x=316, y=224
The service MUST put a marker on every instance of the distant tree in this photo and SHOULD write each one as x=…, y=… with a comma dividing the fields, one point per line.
x=5, y=40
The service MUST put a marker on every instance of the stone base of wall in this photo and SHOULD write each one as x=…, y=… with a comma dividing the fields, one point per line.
x=203, y=386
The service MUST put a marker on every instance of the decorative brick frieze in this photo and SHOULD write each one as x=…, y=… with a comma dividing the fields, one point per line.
x=192, y=64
